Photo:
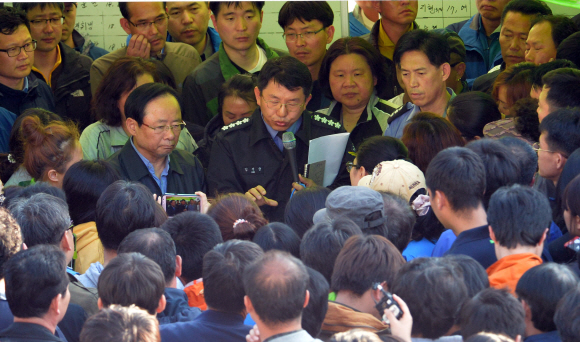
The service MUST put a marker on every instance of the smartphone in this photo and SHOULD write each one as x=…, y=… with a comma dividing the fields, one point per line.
x=178, y=203
x=387, y=302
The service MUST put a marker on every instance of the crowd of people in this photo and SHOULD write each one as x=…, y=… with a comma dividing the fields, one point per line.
x=160, y=192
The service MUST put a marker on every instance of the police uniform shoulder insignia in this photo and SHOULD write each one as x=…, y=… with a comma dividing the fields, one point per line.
x=235, y=124
x=326, y=120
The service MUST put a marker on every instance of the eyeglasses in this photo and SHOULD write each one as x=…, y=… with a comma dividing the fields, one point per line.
x=162, y=129
x=15, y=51
x=291, y=37
x=38, y=23
x=290, y=107
x=159, y=22
x=536, y=147
x=350, y=165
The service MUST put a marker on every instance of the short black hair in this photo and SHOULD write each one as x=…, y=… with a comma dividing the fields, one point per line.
x=433, y=290
x=526, y=7
x=27, y=6
x=11, y=18
x=31, y=190
x=305, y=11
x=562, y=26
x=154, y=243
x=223, y=269
x=540, y=70
x=492, y=310
x=132, y=278
x=564, y=88
x=194, y=235
x=400, y=220
x=122, y=208
x=542, y=287
x=240, y=86
x=518, y=215
x=459, y=173
x=500, y=167
x=33, y=278
x=288, y=72
x=83, y=184
x=567, y=317
x=526, y=118
x=474, y=275
x=278, y=236
x=302, y=206
x=562, y=130
x=142, y=96
x=215, y=6
x=276, y=284
x=374, y=150
x=569, y=49
x=314, y=313
x=322, y=243
x=524, y=155
x=471, y=111
x=433, y=45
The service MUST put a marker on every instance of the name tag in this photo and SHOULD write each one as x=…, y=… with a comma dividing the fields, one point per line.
x=253, y=170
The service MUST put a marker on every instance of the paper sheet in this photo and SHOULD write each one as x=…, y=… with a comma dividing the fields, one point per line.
x=330, y=148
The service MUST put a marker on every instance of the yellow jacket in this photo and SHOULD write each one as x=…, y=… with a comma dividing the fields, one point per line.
x=88, y=246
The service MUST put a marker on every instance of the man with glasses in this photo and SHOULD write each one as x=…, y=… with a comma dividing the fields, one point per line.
x=19, y=89
x=62, y=68
x=149, y=156
x=248, y=156
x=308, y=29
x=74, y=39
x=146, y=22
x=188, y=23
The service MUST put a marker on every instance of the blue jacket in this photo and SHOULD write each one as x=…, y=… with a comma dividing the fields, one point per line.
x=211, y=325
x=475, y=61
x=356, y=28
x=177, y=309
x=214, y=37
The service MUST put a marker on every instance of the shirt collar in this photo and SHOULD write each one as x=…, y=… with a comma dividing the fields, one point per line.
x=415, y=109
x=481, y=28
x=48, y=78
x=25, y=85
x=148, y=163
x=293, y=128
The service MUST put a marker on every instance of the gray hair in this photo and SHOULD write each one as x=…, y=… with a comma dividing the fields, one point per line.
x=43, y=219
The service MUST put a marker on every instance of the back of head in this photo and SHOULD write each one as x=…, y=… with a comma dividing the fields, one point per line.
x=489, y=337
x=533, y=8
x=517, y=81
x=567, y=317
x=30, y=292
x=119, y=323
x=542, y=287
x=11, y=18
x=314, y=313
x=469, y=112
x=83, y=183
x=569, y=49
x=47, y=147
x=154, y=243
x=122, y=208
x=132, y=278
x=305, y=11
x=542, y=69
x=278, y=236
x=525, y=156
x=570, y=198
x=142, y=96
x=238, y=86
x=433, y=290
x=526, y=118
x=10, y=238
x=569, y=172
x=237, y=216
x=561, y=130
x=194, y=234
x=500, y=167
x=360, y=335
x=459, y=173
x=474, y=275
x=120, y=78
x=302, y=206
x=364, y=261
x=43, y=219
x=288, y=72
x=433, y=45
x=400, y=220
x=13, y=193
x=426, y=134
x=223, y=269
x=276, y=285
x=377, y=149
x=492, y=310
x=564, y=88
x=322, y=243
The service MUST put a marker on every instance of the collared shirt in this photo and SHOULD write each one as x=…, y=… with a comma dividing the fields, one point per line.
x=162, y=183
x=25, y=85
x=274, y=133
x=490, y=47
x=48, y=78
x=208, y=51
x=386, y=45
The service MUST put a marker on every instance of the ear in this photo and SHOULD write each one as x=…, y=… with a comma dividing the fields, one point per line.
x=178, y=265
x=441, y=200
x=248, y=304
x=560, y=160
x=261, y=16
x=460, y=69
x=65, y=243
x=306, y=299
x=100, y=304
x=125, y=25
x=330, y=34
x=544, y=236
x=363, y=171
x=527, y=310
x=52, y=176
x=375, y=81
x=492, y=234
x=445, y=71
x=132, y=126
x=162, y=304
x=307, y=100
x=518, y=338
x=377, y=6
x=258, y=96
x=214, y=22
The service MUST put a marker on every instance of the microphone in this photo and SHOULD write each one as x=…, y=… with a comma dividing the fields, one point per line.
x=289, y=142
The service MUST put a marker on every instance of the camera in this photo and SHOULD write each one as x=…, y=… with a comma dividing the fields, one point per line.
x=387, y=302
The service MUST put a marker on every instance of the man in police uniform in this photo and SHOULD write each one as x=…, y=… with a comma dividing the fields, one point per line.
x=248, y=155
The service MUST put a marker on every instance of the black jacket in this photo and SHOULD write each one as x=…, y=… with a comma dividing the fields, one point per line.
x=204, y=146
x=185, y=171
x=27, y=332
x=484, y=83
x=244, y=156
x=177, y=309
x=39, y=95
x=71, y=87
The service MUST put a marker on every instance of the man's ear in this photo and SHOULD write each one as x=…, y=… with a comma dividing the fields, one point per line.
x=132, y=126
x=306, y=299
x=307, y=100
x=125, y=25
x=492, y=234
x=100, y=304
x=441, y=200
x=560, y=160
x=460, y=69
x=248, y=304
x=162, y=304
x=445, y=71
x=527, y=310
x=377, y=6
x=330, y=33
x=178, y=265
x=544, y=236
x=261, y=16
x=55, y=304
x=214, y=22
x=65, y=243
x=258, y=95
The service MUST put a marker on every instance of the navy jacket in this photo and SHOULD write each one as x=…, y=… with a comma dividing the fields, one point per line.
x=27, y=332
x=177, y=308
x=39, y=95
x=551, y=336
x=210, y=326
x=476, y=243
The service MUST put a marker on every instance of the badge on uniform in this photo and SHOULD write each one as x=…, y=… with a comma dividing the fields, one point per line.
x=253, y=170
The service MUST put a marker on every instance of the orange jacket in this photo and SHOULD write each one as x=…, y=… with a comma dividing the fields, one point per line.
x=507, y=271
